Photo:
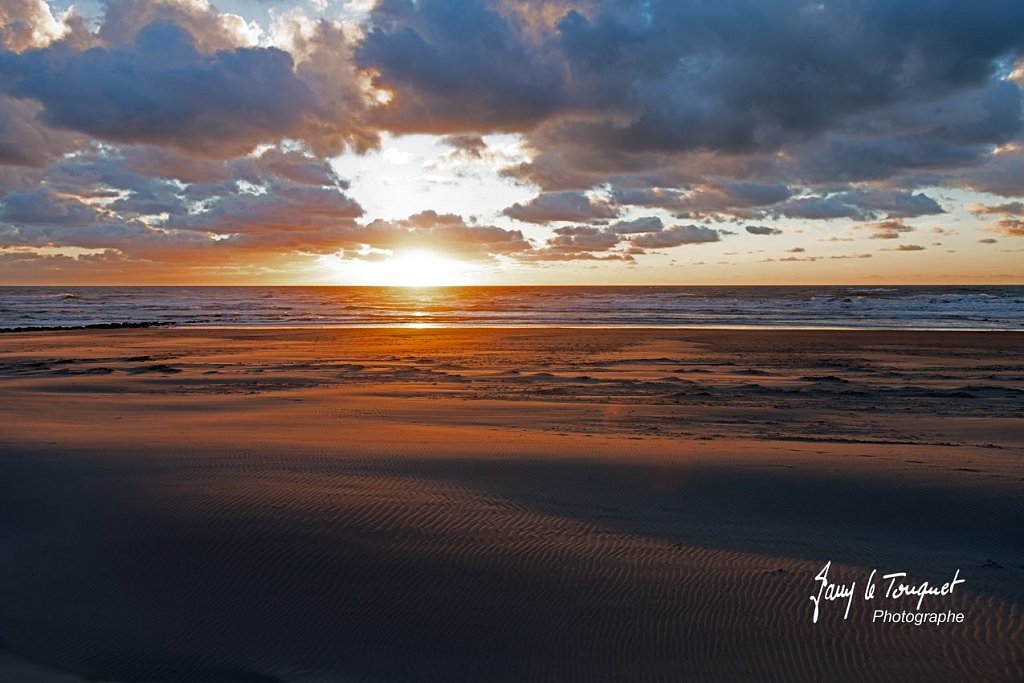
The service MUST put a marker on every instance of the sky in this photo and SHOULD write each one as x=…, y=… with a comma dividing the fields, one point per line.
x=430, y=142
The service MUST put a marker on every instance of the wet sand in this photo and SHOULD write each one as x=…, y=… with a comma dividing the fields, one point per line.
x=506, y=505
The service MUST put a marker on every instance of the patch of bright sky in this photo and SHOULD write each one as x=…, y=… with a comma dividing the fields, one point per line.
x=415, y=173
x=53, y=251
x=260, y=11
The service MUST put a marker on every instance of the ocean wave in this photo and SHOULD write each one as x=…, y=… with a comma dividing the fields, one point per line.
x=990, y=308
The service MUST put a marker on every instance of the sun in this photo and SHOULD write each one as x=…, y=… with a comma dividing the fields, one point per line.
x=409, y=268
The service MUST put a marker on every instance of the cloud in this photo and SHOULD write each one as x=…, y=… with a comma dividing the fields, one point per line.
x=44, y=207
x=446, y=232
x=626, y=239
x=292, y=165
x=26, y=24
x=637, y=225
x=889, y=229
x=799, y=259
x=135, y=201
x=677, y=235
x=285, y=216
x=906, y=247
x=1007, y=209
x=1002, y=174
x=178, y=74
x=870, y=99
x=24, y=140
x=859, y=204
x=678, y=75
x=472, y=146
x=762, y=230
x=124, y=20
x=582, y=238
x=552, y=207
x=555, y=255
x=1009, y=222
x=458, y=65
x=701, y=201
x=1010, y=227
x=622, y=240
x=170, y=128
x=162, y=90
x=43, y=218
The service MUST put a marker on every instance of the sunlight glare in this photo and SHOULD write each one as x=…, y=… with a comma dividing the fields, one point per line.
x=413, y=268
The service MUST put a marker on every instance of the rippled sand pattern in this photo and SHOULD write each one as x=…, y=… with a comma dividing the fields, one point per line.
x=510, y=505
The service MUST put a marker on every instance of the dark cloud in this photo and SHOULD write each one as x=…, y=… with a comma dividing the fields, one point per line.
x=698, y=200
x=162, y=90
x=677, y=235
x=1002, y=174
x=751, y=74
x=561, y=206
x=859, y=204
x=46, y=269
x=43, y=218
x=623, y=238
x=24, y=140
x=472, y=146
x=583, y=238
x=456, y=65
x=845, y=96
x=174, y=74
x=925, y=139
x=44, y=207
x=762, y=230
x=285, y=218
x=292, y=165
x=850, y=256
x=637, y=225
x=754, y=76
x=554, y=255
x=799, y=259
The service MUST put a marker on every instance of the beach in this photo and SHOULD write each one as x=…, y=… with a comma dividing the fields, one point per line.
x=597, y=504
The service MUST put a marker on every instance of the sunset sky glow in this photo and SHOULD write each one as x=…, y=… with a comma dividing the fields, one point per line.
x=511, y=142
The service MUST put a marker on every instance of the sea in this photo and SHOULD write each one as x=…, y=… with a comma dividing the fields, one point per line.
x=832, y=307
